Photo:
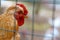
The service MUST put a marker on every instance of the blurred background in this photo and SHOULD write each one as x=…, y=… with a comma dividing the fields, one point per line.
x=43, y=21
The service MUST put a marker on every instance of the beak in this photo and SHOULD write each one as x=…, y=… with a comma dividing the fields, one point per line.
x=25, y=16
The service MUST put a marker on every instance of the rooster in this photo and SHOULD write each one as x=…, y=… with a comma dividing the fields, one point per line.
x=11, y=20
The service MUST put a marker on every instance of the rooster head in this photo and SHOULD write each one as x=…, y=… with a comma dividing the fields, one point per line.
x=19, y=14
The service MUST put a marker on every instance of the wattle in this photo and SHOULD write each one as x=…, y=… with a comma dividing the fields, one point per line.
x=20, y=21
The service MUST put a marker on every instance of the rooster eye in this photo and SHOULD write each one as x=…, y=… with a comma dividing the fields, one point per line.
x=21, y=12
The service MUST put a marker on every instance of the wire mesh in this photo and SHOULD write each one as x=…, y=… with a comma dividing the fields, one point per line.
x=32, y=32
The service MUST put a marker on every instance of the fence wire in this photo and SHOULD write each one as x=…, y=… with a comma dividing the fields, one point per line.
x=35, y=1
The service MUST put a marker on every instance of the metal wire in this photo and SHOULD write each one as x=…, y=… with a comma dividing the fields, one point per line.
x=15, y=23
x=53, y=17
x=2, y=24
x=32, y=38
x=32, y=34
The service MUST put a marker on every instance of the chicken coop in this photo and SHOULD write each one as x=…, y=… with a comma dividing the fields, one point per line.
x=42, y=23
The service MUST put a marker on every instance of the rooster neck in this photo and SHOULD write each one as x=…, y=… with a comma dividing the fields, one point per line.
x=7, y=23
x=9, y=18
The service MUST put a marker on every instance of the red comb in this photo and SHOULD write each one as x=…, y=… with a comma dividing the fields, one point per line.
x=24, y=8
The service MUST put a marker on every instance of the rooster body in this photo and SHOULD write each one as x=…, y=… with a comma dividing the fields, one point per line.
x=9, y=24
